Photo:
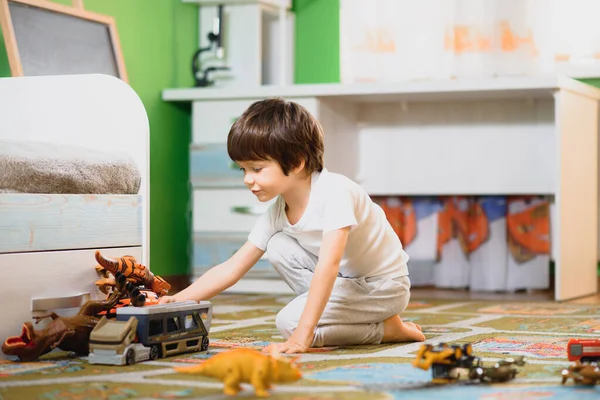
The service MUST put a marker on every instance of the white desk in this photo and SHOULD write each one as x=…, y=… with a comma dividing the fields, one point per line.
x=482, y=136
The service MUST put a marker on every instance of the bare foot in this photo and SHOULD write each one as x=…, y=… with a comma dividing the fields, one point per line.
x=395, y=331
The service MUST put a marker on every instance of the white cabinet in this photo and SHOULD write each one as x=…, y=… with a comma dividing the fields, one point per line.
x=501, y=136
x=211, y=120
x=226, y=210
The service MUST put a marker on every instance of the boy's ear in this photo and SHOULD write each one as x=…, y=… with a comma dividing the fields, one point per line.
x=299, y=168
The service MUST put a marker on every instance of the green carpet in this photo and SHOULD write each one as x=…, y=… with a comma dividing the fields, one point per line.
x=538, y=330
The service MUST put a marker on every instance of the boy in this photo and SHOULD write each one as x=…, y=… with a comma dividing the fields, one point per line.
x=329, y=242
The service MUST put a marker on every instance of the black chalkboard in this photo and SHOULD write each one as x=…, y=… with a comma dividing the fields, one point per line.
x=50, y=41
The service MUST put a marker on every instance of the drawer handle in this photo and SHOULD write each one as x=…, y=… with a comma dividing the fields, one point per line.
x=54, y=303
x=249, y=210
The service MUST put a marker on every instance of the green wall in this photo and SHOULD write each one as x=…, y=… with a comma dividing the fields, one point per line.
x=592, y=81
x=317, y=41
x=4, y=67
x=158, y=39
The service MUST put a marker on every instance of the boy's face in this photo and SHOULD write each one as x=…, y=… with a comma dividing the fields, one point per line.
x=265, y=178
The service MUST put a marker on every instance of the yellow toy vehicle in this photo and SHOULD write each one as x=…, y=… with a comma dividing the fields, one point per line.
x=448, y=363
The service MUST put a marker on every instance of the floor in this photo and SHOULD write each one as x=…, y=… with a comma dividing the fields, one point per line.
x=277, y=286
x=536, y=295
x=495, y=329
x=594, y=299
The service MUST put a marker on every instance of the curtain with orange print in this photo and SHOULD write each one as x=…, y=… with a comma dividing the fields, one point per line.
x=529, y=242
x=491, y=243
x=415, y=221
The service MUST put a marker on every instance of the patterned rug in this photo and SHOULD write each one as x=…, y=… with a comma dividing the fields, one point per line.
x=537, y=330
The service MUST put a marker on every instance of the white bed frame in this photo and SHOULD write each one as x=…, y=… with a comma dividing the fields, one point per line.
x=47, y=241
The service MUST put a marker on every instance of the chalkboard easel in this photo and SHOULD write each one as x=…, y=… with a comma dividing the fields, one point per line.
x=46, y=38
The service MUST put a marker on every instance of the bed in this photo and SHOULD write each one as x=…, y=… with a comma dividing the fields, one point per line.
x=49, y=229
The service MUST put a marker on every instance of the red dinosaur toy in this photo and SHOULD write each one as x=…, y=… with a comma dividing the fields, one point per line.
x=67, y=333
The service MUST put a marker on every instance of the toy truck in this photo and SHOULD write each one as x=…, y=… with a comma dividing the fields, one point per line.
x=142, y=333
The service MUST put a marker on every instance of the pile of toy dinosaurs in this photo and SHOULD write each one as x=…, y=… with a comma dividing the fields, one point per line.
x=453, y=363
x=450, y=363
x=125, y=282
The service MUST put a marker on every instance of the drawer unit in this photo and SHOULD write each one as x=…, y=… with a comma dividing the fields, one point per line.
x=210, y=166
x=226, y=210
x=211, y=249
x=36, y=283
x=211, y=120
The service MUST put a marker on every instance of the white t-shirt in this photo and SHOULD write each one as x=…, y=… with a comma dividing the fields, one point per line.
x=335, y=202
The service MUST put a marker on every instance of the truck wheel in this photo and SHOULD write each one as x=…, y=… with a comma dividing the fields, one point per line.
x=154, y=352
x=205, y=343
x=130, y=357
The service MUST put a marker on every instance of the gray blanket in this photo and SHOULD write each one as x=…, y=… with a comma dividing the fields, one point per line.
x=37, y=167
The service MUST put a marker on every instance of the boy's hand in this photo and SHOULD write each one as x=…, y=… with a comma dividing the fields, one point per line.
x=286, y=347
x=292, y=345
x=167, y=299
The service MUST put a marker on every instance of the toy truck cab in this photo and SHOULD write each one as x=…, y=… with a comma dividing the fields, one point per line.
x=113, y=342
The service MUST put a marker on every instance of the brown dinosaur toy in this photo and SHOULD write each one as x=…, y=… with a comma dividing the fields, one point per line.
x=582, y=374
x=135, y=273
x=250, y=366
x=66, y=333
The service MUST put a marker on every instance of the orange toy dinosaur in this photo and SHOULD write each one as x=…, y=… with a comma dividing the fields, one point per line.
x=135, y=273
x=250, y=366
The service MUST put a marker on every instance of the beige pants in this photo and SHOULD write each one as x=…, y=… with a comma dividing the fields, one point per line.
x=356, y=308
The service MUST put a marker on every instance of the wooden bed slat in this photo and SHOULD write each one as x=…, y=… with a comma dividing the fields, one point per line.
x=41, y=222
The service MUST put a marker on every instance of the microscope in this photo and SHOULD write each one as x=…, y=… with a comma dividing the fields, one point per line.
x=215, y=39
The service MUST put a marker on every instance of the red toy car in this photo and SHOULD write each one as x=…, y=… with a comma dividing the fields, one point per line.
x=584, y=350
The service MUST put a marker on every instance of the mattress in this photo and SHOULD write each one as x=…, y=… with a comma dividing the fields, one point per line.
x=38, y=167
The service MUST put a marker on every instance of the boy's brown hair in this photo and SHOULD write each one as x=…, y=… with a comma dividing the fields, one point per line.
x=279, y=130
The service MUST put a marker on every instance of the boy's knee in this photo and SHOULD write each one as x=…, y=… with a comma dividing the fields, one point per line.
x=285, y=323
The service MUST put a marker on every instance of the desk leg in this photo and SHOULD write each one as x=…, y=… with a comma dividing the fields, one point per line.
x=576, y=242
